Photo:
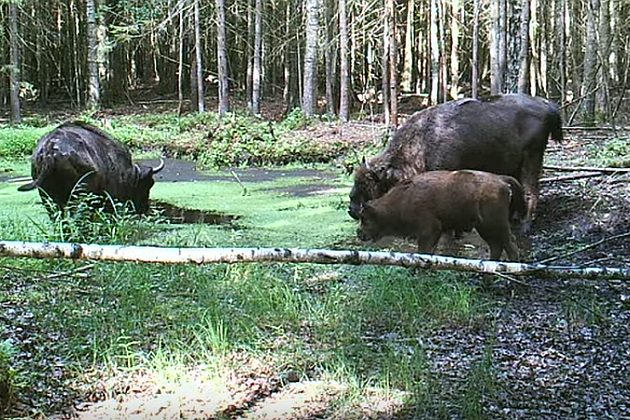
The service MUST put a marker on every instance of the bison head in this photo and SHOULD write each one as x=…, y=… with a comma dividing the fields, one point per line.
x=370, y=228
x=367, y=186
x=143, y=176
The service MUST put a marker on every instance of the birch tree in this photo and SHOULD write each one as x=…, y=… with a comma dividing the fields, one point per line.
x=257, y=59
x=94, y=84
x=523, y=74
x=198, y=76
x=309, y=96
x=590, y=63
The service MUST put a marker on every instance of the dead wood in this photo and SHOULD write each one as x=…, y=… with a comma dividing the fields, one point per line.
x=148, y=254
x=607, y=170
x=570, y=177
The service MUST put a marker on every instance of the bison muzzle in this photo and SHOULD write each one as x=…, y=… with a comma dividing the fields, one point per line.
x=78, y=153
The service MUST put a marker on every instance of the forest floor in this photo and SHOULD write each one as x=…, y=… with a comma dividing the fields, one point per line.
x=554, y=348
x=559, y=348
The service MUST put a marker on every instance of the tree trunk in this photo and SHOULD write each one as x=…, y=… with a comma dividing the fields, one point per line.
x=435, y=54
x=14, y=74
x=343, y=63
x=329, y=58
x=407, y=74
x=590, y=64
x=162, y=255
x=257, y=62
x=180, y=61
x=603, y=93
x=224, y=85
x=309, y=95
x=385, y=88
x=94, y=84
x=198, y=60
x=455, y=33
x=523, y=73
x=475, y=51
x=393, y=65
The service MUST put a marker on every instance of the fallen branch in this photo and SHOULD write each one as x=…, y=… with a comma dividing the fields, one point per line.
x=571, y=177
x=148, y=254
x=587, y=168
x=584, y=248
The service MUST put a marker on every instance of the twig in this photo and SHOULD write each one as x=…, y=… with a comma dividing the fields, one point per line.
x=570, y=177
x=607, y=170
x=70, y=272
x=584, y=248
x=234, y=174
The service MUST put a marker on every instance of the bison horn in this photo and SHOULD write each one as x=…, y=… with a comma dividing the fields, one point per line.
x=159, y=167
x=365, y=163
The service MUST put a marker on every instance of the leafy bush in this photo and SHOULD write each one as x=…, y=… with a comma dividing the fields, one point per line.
x=19, y=141
x=614, y=153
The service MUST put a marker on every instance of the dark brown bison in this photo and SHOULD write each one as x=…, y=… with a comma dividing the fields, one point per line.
x=78, y=153
x=504, y=134
x=439, y=201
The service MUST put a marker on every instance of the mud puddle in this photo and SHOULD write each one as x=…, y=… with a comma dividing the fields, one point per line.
x=180, y=215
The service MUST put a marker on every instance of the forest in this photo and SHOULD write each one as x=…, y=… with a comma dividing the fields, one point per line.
x=324, y=56
x=242, y=287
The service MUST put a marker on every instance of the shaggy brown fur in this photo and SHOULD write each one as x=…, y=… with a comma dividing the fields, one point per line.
x=76, y=152
x=505, y=134
x=438, y=201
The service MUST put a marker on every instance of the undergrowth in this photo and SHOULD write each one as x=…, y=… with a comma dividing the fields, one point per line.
x=237, y=139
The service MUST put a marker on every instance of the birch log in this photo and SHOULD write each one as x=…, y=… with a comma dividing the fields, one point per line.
x=149, y=254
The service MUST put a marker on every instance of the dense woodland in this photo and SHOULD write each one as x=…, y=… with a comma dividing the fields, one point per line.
x=325, y=56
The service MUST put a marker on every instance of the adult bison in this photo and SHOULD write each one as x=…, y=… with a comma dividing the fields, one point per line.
x=504, y=134
x=79, y=153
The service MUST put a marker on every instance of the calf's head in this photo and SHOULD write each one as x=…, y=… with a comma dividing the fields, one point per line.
x=143, y=181
x=370, y=227
x=365, y=188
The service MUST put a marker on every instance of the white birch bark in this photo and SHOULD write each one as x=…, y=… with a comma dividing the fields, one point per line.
x=149, y=254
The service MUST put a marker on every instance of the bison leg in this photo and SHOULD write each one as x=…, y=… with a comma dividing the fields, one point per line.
x=428, y=238
x=530, y=172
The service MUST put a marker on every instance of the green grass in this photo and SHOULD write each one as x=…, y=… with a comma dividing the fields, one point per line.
x=362, y=327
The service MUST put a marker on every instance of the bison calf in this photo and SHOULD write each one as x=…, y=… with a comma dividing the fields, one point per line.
x=438, y=201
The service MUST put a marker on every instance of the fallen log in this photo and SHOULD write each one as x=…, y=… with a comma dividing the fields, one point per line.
x=151, y=254
x=587, y=168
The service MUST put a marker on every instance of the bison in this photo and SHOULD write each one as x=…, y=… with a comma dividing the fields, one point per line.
x=439, y=201
x=504, y=134
x=78, y=153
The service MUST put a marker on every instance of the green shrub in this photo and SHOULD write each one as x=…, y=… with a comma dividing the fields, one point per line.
x=19, y=141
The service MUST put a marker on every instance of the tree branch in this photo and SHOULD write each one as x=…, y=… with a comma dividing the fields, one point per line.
x=150, y=254
x=587, y=168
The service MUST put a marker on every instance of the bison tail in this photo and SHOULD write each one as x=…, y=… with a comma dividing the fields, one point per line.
x=518, y=206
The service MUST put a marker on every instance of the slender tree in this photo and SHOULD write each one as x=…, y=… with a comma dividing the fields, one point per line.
x=201, y=107
x=590, y=63
x=385, y=70
x=523, y=74
x=475, y=50
x=224, y=87
x=310, y=57
x=343, y=63
x=435, y=53
x=94, y=83
x=407, y=74
x=455, y=35
x=14, y=53
x=257, y=63
x=393, y=64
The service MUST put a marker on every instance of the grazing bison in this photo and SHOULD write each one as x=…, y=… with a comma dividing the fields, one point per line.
x=78, y=153
x=504, y=134
x=438, y=201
